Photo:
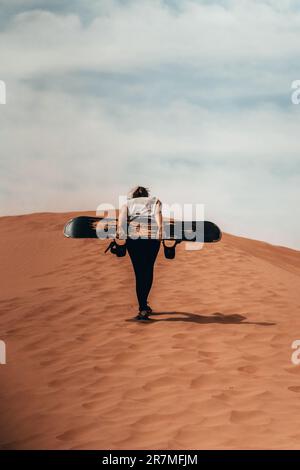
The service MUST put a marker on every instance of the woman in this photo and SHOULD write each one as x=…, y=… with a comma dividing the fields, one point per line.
x=142, y=251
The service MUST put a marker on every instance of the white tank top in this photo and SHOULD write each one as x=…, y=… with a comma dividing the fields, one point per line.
x=141, y=207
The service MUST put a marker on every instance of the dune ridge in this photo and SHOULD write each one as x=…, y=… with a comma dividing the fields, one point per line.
x=212, y=370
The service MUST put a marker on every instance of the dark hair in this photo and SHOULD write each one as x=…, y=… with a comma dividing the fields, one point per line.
x=140, y=191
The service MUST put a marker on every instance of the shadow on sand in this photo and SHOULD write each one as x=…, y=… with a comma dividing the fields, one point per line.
x=217, y=317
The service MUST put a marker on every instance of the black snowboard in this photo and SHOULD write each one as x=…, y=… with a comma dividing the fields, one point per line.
x=103, y=228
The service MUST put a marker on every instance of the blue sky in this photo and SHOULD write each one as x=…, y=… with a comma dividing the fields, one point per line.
x=191, y=98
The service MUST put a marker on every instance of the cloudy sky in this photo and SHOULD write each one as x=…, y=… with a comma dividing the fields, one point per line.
x=189, y=97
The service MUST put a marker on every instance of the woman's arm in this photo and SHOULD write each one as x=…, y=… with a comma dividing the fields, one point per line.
x=122, y=223
x=159, y=219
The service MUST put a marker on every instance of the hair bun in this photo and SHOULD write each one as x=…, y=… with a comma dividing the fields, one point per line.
x=138, y=191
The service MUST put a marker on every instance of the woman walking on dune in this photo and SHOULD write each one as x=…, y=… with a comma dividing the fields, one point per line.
x=142, y=251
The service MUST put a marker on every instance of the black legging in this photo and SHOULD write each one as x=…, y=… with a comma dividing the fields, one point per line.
x=143, y=253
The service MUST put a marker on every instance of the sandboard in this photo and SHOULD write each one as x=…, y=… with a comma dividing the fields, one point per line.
x=105, y=228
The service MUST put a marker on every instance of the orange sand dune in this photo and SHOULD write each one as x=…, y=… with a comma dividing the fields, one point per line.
x=212, y=370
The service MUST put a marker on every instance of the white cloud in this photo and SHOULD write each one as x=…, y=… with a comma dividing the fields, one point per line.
x=147, y=33
x=72, y=156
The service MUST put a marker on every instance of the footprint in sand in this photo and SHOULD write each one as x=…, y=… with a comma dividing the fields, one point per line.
x=254, y=417
x=294, y=388
x=248, y=369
